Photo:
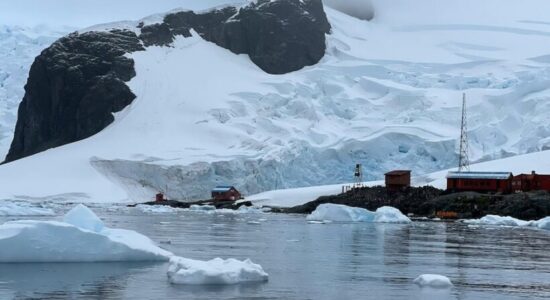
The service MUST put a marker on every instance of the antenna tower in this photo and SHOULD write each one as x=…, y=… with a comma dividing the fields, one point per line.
x=358, y=175
x=463, y=160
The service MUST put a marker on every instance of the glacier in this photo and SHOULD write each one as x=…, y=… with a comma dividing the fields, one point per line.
x=374, y=99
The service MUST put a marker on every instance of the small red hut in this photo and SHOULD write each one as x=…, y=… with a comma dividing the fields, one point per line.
x=225, y=193
x=531, y=182
x=492, y=182
x=398, y=179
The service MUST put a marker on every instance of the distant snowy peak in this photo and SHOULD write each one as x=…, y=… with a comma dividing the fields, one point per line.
x=279, y=36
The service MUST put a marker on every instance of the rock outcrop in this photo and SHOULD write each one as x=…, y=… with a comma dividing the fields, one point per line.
x=76, y=84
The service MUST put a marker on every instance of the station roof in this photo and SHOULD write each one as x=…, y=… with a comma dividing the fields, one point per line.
x=479, y=175
x=222, y=188
x=398, y=172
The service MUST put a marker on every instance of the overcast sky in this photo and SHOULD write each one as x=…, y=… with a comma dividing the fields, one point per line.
x=84, y=13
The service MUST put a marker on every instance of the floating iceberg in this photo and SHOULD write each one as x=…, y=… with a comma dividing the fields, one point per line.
x=509, y=221
x=433, y=281
x=157, y=209
x=343, y=213
x=82, y=237
x=202, y=208
x=23, y=209
x=214, y=272
x=542, y=223
x=210, y=209
x=498, y=221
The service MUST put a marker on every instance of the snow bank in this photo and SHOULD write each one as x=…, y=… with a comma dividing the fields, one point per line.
x=82, y=237
x=343, y=213
x=433, y=281
x=23, y=209
x=495, y=220
x=215, y=272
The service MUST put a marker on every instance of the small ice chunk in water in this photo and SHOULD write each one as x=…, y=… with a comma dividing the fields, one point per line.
x=214, y=272
x=433, y=281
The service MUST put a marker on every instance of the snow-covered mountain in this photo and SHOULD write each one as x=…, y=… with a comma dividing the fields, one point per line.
x=18, y=48
x=386, y=94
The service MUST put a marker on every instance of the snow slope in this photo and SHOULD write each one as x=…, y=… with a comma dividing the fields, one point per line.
x=387, y=95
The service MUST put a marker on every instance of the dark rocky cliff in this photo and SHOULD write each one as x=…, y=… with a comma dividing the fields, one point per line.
x=76, y=84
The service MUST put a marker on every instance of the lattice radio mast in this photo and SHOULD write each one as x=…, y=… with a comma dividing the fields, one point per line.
x=358, y=174
x=463, y=160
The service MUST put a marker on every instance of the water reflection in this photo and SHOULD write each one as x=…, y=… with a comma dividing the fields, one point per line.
x=306, y=261
x=66, y=280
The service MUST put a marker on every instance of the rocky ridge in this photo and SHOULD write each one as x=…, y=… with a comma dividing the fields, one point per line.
x=76, y=85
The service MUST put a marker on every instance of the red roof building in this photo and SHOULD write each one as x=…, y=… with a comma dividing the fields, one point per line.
x=398, y=179
x=226, y=193
x=531, y=182
x=485, y=182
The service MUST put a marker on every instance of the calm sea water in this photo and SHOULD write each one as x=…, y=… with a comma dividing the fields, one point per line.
x=304, y=261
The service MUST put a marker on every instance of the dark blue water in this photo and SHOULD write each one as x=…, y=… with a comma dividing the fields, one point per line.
x=305, y=261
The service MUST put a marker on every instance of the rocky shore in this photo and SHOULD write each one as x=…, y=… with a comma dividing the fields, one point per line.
x=427, y=201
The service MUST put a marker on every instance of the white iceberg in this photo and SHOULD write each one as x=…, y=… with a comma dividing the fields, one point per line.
x=542, y=223
x=343, y=213
x=157, y=209
x=202, y=208
x=495, y=220
x=210, y=209
x=214, y=272
x=82, y=237
x=8, y=208
x=433, y=281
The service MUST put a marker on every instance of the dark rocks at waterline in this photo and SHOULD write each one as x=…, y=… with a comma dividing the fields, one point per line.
x=409, y=200
x=76, y=84
x=234, y=205
x=427, y=201
x=525, y=206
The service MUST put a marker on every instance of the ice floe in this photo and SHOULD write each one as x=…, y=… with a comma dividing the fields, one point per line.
x=81, y=237
x=157, y=209
x=343, y=213
x=214, y=272
x=20, y=208
x=495, y=220
x=433, y=281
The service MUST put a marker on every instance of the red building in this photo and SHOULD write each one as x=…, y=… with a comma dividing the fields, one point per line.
x=398, y=179
x=485, y=182
x=226, y=193
x=531, y=182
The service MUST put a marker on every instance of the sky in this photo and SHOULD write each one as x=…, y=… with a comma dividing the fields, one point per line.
x=84, y=13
